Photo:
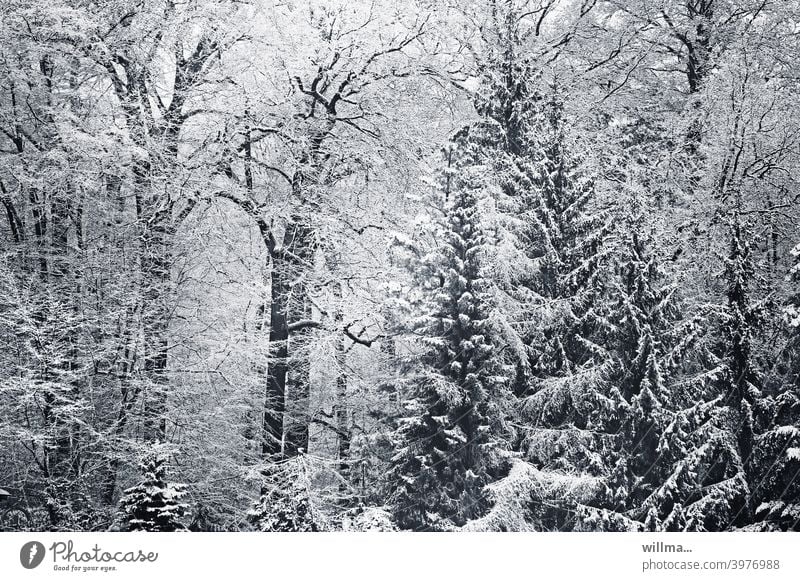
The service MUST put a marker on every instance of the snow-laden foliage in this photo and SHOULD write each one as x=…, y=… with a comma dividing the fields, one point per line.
x=369, y=519
x=154, y=504
x=449, y=434
x=227, y=230
x=286, y=504
x=527, y=499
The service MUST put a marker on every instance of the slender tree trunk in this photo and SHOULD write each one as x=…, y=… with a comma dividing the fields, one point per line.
x=155, y=266
x=125, y=344
x=340, y=410
x=342, y=420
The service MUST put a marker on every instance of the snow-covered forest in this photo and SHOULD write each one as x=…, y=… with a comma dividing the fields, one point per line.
x=425, y=265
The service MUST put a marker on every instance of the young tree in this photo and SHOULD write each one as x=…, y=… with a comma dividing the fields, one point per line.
x=154, y=504
x=286, y=503
x=706, y=447
x=775, y=460
x=649, y=344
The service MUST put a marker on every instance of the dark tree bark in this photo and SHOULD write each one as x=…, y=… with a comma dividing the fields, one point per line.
x=277, y=367
x=300, y=242
x=154, y=210
x=341, y=409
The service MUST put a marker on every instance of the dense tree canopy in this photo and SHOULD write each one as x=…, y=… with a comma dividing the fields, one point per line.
x=465, y=265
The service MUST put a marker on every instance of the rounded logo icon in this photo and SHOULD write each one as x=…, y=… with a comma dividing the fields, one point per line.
x=31, y=554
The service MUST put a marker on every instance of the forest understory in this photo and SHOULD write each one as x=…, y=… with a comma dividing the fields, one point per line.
x=419, y=265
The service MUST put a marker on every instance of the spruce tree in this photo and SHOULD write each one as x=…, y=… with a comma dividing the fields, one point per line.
x=285, y=502
x=791, y=312
x=508, y=104
x=707, y=445
x=740, y=379
x=644, y=315
x=154, y=504
x=550, y=278
x=448, y=448
x=775, y=461
x=567, y=235
x=572, y=410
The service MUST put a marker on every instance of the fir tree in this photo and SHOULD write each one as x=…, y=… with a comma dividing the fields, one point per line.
x=285, y=502
x=448, y=450
x=154, y=504
x=742, y=379
x=573, y=411
x=651, y=341
x=775, y=462
x=568, y=235
x=550, y=282
x=707, y=446
x=775, y=467
x=508, y=103
x=791, y=314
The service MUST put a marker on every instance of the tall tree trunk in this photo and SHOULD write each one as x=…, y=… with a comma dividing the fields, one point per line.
x=288, y=304
x=298, y=410
x=277, y=367
x=340, y=410
x=156, y=316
